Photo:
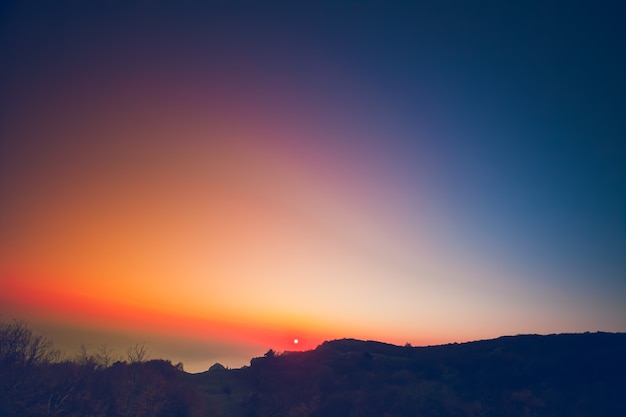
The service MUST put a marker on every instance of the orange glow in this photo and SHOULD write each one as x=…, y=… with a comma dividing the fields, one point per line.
x=62, y=305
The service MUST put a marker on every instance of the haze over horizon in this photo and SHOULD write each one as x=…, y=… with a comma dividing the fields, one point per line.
x=220, y=178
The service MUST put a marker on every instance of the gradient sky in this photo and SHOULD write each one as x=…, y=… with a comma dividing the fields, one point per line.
x=218, y=178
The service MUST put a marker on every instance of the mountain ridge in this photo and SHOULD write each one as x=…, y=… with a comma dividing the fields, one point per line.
x=523, y=375
x=348, y=343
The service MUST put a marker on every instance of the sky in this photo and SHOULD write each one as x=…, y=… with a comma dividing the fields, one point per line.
x=215, y=179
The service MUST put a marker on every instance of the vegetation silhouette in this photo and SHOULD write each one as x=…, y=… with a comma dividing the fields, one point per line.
x=36, y=380
x=524, y=375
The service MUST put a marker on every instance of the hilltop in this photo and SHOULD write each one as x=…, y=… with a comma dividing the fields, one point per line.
x=525, y=375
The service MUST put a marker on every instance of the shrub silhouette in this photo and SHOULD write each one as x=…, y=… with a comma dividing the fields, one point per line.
x=36, y=381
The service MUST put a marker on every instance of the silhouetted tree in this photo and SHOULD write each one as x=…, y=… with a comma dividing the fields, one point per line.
x=23, y=357
x=137, y=353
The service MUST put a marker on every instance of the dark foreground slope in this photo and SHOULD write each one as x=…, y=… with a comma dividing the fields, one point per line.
x=556, y=375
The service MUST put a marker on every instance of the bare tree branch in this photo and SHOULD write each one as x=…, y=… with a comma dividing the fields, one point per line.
x=137, y=353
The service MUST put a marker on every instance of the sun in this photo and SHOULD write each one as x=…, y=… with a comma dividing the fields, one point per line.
x=296, y=341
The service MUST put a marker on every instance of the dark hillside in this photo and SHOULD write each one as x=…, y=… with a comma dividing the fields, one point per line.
x=556, y=375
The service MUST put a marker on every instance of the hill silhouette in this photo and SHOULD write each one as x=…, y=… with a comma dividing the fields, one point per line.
x=525, y=375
